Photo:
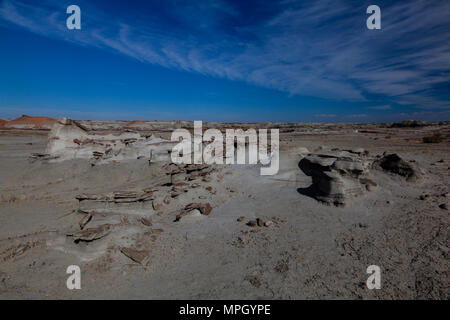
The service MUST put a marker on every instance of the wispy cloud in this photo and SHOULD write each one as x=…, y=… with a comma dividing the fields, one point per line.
x=325, y=115
x=317, y=48
x=383, y=107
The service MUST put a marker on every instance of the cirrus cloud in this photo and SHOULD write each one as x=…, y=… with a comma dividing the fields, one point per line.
x=314, y=48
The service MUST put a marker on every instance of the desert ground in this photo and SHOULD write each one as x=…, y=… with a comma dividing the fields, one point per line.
x=140, y=227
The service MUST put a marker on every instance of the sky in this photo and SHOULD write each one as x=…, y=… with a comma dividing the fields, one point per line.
x=229, y=61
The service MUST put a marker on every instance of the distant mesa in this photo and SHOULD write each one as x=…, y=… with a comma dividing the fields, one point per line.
x=27, y=122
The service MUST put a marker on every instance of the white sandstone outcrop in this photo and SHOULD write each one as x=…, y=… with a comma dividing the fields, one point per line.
x=70, y=140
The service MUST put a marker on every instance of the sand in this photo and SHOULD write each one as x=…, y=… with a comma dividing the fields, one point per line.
x=304, y=248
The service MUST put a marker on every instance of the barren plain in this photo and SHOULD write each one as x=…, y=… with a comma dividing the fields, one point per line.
x=140, y=227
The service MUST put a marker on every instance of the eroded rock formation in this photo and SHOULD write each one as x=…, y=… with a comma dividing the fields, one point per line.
x=392, y=163
x=71, y=140
x=335, y=177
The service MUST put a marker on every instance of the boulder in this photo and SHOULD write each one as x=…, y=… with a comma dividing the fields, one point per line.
x=189, y=215
x=335, y=178
x=392, y=163
x=205, y=208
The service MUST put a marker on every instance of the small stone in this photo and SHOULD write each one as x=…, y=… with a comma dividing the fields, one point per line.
x=357, y=151
x=205, y=208
x=362, y=225
x=260, y=222
x=85, y=220
x=175, y=194
x=241, y=219
x=92, y=233
x=146, y=222
x=156, y=205
x=424, y=196
x=444, y=206
x=268, y=223
x=193, y=177
x=211, y=189
x=176, y=191
x=195, y=167
x=139, y=256
x=277, y=220
x=167, y=199
x=252, y=223
x=188, y=215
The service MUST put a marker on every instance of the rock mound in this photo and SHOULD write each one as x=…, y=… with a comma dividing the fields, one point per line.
x=410, y=124
x=335, y=179
x=392, y=163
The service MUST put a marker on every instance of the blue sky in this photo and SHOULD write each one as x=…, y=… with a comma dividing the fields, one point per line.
x=220, y=60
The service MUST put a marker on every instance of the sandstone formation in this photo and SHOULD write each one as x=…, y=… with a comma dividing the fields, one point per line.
x=71, y=140
x=335, y=177
x=392, y=163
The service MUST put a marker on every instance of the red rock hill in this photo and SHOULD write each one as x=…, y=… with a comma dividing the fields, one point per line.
x=27, y=122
